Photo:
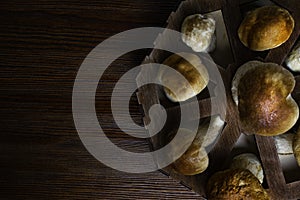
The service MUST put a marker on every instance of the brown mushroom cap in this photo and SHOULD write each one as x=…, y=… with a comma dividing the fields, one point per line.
x=266, y=27
x=296, y=147
x=235, y=184
x=192, y=69
x=263, y=94
x=194, y=160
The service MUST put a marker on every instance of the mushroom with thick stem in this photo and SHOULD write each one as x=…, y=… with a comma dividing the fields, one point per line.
x=248, y=161
x=191, y=67
x=242, y=181
x=195, y=159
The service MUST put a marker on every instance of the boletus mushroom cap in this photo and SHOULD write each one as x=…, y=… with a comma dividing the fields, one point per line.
x=194, y=160
x=266, y=27
x=191, y=67
x=262, y=92
x=235, y=184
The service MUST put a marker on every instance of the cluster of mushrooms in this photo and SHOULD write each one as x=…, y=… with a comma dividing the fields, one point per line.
x=261, y=91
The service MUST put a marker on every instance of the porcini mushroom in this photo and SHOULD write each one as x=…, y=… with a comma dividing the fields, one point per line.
x=265, y=28
x=198, y=32
x=235, y=184
x=262, y=92
x=248, y=161
x=191, y=67
x=195, y=159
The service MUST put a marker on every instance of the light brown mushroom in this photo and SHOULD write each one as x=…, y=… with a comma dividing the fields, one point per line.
x=195, y=159
x=198, y=32
x=262, y=92
x=266, y=27
x=235, y=184
x=191, y=67
x=248, y=161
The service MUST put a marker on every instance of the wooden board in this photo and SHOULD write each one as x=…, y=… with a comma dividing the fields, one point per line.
x=276, y=184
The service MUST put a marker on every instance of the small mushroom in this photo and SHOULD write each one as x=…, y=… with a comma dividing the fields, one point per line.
x=235, y=184
x=284, y=143
x=293, y=59
x=296, y=147
x=191, y=67
x=195, y=159
x=262, y=92
x=198, y=32
x=265, y=28
x=249, y=161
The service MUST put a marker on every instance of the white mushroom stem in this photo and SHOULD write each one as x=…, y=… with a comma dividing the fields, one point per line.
x=248, y=161
x=293, y=59
x=237, y=77
x=216, y=126
x=284, y=143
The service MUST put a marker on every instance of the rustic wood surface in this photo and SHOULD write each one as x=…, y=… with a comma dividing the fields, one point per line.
x=42, y=46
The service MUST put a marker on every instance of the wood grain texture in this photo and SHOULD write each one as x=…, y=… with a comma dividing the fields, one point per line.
x=272, y=167
x=43, y=44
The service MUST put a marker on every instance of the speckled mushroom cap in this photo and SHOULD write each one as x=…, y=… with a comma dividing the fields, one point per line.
x=296, y=147
x=198, y=32
x=262, y=92
x=266, y=27
x=235, y=184
x=192, y=69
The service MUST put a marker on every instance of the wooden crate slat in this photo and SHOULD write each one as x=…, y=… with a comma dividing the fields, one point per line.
x=271, y=165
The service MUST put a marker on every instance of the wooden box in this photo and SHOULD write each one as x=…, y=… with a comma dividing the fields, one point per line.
x=278, y=183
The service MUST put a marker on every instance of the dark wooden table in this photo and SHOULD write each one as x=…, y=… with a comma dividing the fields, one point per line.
x=43, y=44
